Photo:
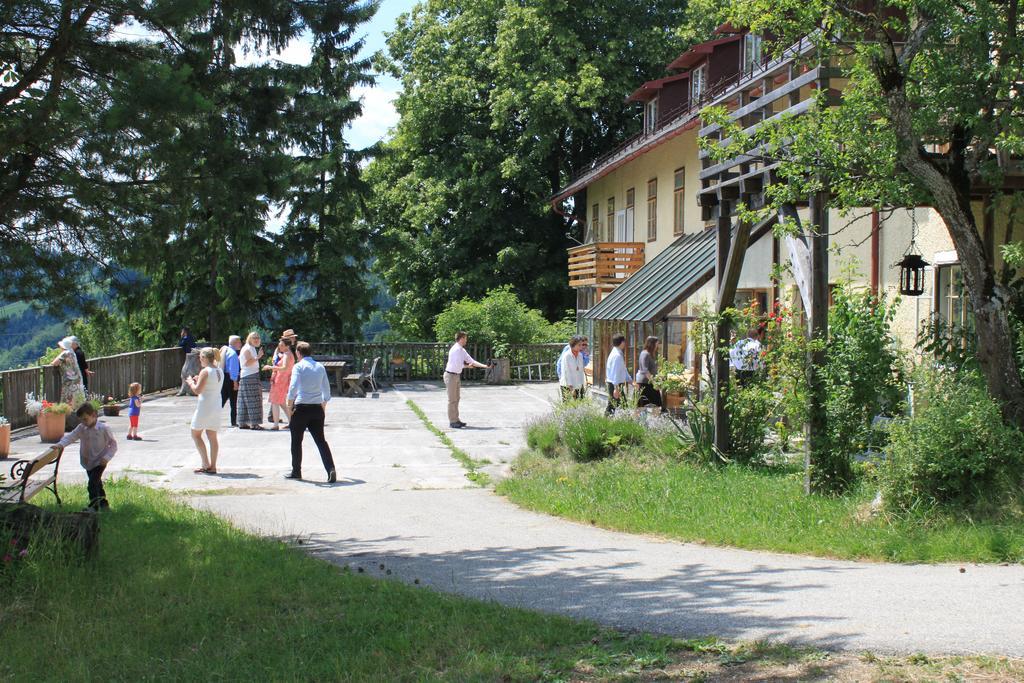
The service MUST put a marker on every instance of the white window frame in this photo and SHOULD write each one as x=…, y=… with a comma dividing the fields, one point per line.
x=698, y=83
x=651, y=115
x=753, y=47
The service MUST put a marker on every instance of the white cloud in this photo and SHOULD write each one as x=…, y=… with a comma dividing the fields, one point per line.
x=378, y=118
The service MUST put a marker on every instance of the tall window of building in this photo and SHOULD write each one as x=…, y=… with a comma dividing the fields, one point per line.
x=678, y=197
x=651, y=116
x=595, y=224
x=951, y=302
x=630, y=213
x=697, y=83
x=751, y=53
x=652, y=209
x=611, y=219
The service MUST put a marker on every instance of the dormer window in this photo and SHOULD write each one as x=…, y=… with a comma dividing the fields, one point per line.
x=698, y=83
x=751, y=53
x=651, y=116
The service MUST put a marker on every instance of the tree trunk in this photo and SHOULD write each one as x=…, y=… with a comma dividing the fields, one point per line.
x=990, y=302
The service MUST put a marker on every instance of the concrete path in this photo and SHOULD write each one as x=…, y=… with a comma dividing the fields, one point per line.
x=405, y=504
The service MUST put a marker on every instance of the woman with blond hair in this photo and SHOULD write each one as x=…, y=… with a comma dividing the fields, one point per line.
x=250, y=392
x=206, y=385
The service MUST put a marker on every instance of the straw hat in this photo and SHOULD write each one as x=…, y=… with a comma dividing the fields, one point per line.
x=289, y=335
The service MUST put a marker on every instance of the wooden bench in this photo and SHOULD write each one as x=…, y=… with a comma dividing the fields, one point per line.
x=23, y=484
x=357, y=383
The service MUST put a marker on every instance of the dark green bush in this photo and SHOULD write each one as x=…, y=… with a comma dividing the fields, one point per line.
x=955, y=452
x=543, y=436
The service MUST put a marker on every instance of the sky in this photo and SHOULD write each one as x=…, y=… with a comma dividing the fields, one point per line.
x=378, y=108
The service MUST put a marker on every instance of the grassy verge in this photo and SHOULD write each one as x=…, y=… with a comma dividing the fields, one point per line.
x=472, y=466
x=179, y=594
x=747, y=508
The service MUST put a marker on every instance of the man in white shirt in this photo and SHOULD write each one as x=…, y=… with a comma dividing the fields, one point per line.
x=616, y=375
x=571, y=378
x=745, y=357
x=458, y=360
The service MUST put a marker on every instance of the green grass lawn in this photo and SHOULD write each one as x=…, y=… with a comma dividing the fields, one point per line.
x=180, y=594
x=747, y=508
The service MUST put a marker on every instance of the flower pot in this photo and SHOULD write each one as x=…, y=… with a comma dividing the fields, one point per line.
x=673, y=401
x=51, y=427
x=111, y=411
x=5, y=440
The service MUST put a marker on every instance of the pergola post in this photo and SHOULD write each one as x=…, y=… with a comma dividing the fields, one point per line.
x=721, y=369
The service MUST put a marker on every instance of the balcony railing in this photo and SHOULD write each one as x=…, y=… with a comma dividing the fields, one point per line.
x=604, y=264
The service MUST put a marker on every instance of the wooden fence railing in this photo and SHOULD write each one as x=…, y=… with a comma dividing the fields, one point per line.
x=160, y=369
x=156, y=370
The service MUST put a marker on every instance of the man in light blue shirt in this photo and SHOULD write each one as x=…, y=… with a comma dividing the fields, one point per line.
x=615, y=373
x=229, y=363
x=308, y=394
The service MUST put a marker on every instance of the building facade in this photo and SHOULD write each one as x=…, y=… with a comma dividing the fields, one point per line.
x=649, y=254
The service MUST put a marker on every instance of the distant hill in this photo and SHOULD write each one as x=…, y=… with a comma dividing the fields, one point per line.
x=25, y=334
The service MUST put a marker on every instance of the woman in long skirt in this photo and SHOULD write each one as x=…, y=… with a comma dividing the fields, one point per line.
x=250, y=393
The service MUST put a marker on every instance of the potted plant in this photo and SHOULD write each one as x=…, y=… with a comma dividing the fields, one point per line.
x=50, y=417
x=674, y=380
x=111, y=408
x=5, y=437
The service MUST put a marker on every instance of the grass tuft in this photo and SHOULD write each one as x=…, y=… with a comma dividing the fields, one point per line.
x=472, y=466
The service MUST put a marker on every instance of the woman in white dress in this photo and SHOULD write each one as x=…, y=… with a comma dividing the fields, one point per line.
x=206, y=386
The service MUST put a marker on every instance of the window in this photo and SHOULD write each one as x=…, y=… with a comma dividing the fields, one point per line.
x=651, y=116
x=595, y=225
x=630, y=214
x=751, y=53
x=951, y=305
x=610, y=227
x=697, y=83
x=678, y=197
x=652, y=209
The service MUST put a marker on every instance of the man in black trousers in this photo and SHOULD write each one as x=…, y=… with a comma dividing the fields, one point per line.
x=308, y=394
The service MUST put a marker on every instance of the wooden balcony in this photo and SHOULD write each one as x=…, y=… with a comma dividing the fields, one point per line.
x=604, y=264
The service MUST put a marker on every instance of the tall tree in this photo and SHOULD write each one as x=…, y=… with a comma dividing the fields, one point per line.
x=930, y=116
x=502, y=101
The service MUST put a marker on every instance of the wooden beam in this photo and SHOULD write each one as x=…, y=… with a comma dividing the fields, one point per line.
x=818, y=324
x=730, y=278
x=721, y=368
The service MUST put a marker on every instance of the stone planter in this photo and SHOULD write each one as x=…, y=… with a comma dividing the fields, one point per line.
x=5, y=440
x=51, y=427
x=111, y=411
x=501, y=373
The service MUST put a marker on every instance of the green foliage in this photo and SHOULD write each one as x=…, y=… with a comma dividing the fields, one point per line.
x=591, y=435
x=151, y=168
x=860, y=379
x=499, y=320
x=751, y=409
x=501, y=103
x=955, y=451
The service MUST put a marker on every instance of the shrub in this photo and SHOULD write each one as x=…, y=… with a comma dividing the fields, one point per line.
x=750, y=409
x=543, y=436
x=591, y=435
x=499, y=320
x=955, y=451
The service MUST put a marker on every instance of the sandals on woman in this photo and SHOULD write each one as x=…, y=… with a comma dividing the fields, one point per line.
x=205, y=470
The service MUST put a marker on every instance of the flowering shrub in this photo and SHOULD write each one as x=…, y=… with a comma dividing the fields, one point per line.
x=15, y=551
x=34, y=406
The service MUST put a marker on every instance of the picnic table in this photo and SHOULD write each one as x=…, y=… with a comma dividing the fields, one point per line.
x=338, y=368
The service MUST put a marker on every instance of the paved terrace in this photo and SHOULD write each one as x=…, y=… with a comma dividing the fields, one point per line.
x=404, y=503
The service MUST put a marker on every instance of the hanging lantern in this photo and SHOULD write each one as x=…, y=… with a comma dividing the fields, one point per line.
x=912, y=269
x=913, y=266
